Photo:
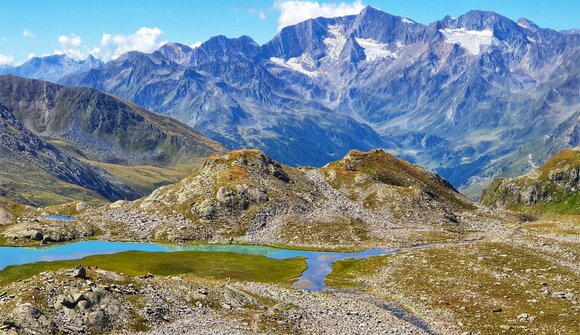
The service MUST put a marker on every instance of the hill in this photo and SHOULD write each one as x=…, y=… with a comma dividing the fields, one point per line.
x=364, y=198
x=554, y=188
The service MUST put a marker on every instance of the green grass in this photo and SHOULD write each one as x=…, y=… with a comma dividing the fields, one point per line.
x=339, y=231
x=568, y=205
x=345, y=273
x=216, y=265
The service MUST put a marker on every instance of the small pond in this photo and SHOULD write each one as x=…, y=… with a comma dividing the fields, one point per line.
x=59, y=217
x=319, y=263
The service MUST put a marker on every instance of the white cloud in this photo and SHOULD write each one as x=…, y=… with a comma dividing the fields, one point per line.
x=72, y=41
x=72, y=46
x=195, y=45
x=62, y=40
x=6, y=59
x=145, y=39
x=30, y=55
x=95, y=51
x=258, y=12
x=27, y=33
x=295, y=11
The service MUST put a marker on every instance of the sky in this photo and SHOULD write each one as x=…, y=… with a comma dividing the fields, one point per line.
x=109, y=28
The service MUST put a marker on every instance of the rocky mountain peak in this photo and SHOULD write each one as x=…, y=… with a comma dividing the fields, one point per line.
x=52, y=67
x=523, y=22
x=176, y=52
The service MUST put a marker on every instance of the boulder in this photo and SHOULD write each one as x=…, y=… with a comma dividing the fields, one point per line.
x=30, y=319
x=81, y=206
x=79, y=271
x=6, y=217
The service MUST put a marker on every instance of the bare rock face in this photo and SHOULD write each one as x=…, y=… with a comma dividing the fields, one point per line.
x=39, y=229
x=95, y=309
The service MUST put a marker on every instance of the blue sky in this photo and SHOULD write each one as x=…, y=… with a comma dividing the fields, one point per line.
x=107, y=28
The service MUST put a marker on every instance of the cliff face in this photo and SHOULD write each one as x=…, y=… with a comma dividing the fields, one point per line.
x=552, y=188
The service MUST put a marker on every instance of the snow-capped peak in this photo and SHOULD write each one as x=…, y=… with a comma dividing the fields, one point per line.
x=374, y=50
x=471, y=40
x=294, y=64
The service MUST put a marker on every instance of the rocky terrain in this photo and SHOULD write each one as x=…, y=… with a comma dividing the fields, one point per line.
x=61, y=144
x=367, y=198
x=94, y=301
x=554, y=188
x=462, y=269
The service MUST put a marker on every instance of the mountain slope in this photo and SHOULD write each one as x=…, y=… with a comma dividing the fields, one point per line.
x=552, y=188
x=52, y=68
x=36, y=172
x=91, y=132
x=100, y=127
x=222, y=90
x=364, y=198
x=469, y=97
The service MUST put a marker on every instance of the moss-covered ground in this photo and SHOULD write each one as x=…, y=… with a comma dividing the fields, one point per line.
x=481, y=288
x=216, y=265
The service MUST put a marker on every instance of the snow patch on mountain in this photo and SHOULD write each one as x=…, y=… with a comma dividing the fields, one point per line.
x=374, y=50
x=335, y=42
x=471, y=40
x=407, y=21
x=294, y=64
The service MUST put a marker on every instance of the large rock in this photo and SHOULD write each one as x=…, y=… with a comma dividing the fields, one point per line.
x=27, y=318
x=5, y=217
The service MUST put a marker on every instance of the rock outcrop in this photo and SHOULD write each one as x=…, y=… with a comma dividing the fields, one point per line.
x=555, y=186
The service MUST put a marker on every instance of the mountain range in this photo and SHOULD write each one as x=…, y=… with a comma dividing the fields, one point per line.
x=52, y=68
x=469, y=97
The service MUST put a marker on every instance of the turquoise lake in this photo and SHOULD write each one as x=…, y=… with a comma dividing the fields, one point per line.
x=319, y=263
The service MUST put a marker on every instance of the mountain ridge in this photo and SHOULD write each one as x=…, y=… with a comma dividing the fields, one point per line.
x=469, y=85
